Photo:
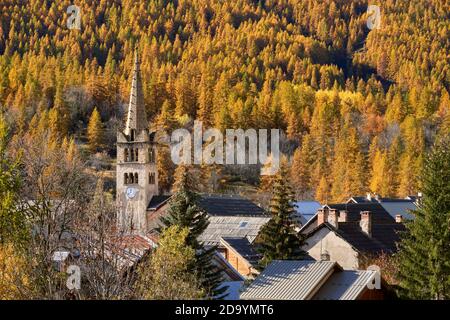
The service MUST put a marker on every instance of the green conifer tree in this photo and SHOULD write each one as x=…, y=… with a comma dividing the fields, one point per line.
x=185, y=212
x=424, y=256
x=278, y=239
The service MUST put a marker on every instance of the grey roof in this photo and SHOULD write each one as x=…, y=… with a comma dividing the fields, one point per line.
x=289, y=280
x=305, y=210
x=345, y=285
x=307, y=207
x=400, y=207
x=233, y=289
x=218, y=205
x=157, y=201
x=231, y=226
x=360, y=199
x=243, y=247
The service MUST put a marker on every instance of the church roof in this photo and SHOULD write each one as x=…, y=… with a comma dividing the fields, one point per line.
x=136, y=115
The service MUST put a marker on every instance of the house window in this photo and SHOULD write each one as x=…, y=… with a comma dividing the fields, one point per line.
x=151, y=178
x=243, y=224
x=136, y=178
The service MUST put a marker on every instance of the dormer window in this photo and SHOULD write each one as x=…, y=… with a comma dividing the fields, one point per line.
x=243, y=224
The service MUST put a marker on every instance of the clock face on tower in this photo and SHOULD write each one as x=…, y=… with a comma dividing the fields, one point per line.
x=131, y=192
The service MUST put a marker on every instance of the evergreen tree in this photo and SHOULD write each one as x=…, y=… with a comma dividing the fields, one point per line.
x=424, y=256
x=278, y=239
x=185, y=212
x=95, y=131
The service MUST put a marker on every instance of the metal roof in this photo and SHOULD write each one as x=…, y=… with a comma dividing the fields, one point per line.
x=223, y=205
x=230, y=226
x=157, y=201
x=305, y=210
x=289, y=280
x=233, y=289
x=396, y=207
x=243, y=247
x=345, y=285
x=306, y=207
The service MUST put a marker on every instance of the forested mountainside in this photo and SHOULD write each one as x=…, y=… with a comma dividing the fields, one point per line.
x=362, y=106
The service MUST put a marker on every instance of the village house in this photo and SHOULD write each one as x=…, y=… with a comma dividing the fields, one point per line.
x=348, y=233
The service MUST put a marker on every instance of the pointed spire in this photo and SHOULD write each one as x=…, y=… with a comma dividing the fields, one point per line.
x=136, y=117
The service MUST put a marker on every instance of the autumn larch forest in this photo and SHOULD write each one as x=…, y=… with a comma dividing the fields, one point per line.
x=361, y=111
x=358, y=108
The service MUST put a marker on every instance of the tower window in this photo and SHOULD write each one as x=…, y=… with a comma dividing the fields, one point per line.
x=151, y=178
x=131, y=154
x=125, y=155
x=132, y=134
x=151, y=155
x=136, y=178
x=136, y=151
x=125, y=178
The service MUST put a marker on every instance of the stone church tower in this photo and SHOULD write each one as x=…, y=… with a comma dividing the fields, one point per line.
x=137, y=176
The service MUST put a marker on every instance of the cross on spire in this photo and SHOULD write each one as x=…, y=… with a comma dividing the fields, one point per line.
x=136, y=117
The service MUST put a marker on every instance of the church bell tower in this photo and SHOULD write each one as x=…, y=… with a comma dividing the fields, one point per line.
x=137, y=176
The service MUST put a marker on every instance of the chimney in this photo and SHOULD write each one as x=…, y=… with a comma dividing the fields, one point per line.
x=343, y=216
x=333, y=218
x=325, y=256
x=366, y=222
x=398, y=218
x=322, y=216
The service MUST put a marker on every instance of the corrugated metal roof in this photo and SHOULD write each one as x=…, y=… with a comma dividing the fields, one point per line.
x=289, y=280
x=230, y=226
x=345, y=285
